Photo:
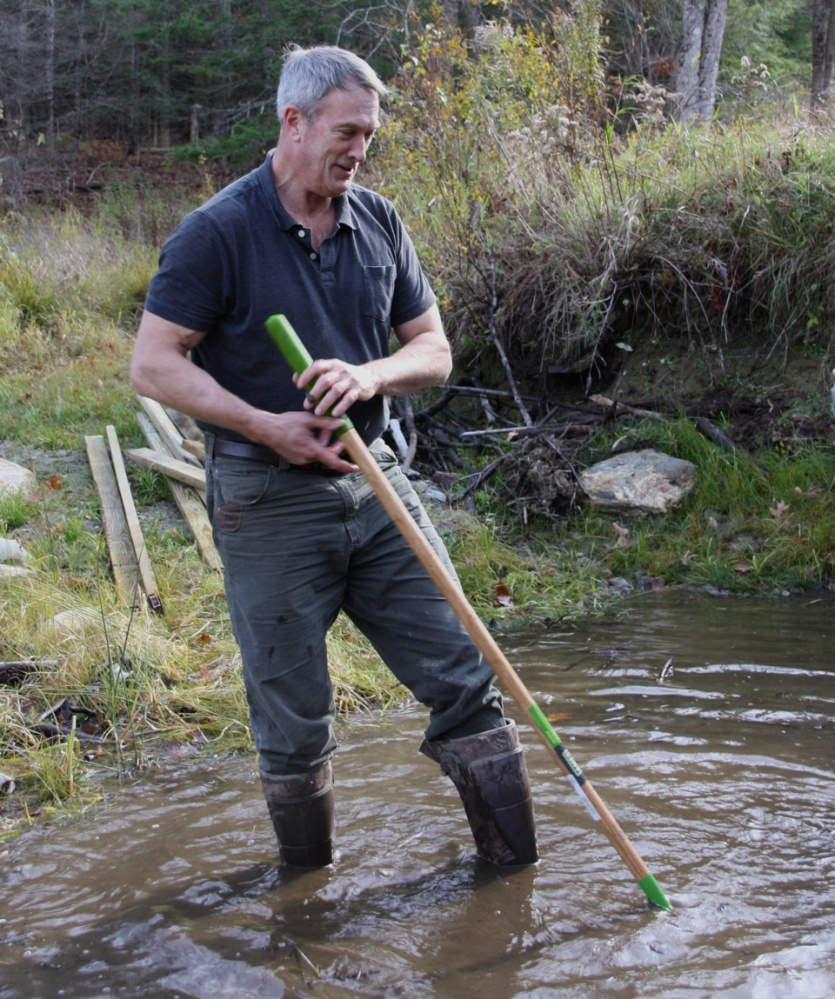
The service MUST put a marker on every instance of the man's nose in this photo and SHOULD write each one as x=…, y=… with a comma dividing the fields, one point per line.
x=359, y=149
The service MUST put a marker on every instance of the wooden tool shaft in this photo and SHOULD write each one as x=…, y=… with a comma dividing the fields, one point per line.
x=403, y=520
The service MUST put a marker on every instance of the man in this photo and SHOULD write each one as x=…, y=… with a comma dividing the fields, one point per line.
x=298, y=528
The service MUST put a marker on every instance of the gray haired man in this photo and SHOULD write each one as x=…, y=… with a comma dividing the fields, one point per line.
x=300, y=532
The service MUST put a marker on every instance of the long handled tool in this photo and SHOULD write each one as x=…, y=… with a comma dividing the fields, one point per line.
x=298, y=358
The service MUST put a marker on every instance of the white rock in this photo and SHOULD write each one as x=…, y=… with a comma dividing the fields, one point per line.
x=15, y=478
x=647, y=481
x=10, y=551
x=76, y=622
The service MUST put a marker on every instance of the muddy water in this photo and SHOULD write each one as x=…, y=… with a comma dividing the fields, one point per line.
x=721, y=775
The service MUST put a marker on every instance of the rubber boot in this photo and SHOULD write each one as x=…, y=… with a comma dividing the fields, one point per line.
x=489, y=772
x=301, y=808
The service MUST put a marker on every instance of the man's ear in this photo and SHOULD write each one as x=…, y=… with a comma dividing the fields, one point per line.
x=292, y=121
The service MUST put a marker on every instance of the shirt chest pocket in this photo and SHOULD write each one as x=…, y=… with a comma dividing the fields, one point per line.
x=378, y=291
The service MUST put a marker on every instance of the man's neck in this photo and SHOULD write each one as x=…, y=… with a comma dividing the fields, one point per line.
x=312, y=210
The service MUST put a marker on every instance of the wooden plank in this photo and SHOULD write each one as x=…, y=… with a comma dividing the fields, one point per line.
x=122, y=555
x=170, y=466
x=166, y=429
x=187, y=500
x=185, y=424
x=146, y=570
x=197, y=448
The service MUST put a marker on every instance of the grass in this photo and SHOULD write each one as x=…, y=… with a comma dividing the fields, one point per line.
x=749, y=527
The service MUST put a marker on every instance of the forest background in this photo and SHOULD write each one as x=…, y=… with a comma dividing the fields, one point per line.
x=624, y=198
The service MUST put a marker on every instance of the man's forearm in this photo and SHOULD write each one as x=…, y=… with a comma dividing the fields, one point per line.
x=416, y=365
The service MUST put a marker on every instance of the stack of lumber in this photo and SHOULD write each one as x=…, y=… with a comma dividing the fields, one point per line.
x=180, y=458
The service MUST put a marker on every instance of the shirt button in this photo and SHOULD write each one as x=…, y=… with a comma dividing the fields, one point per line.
x=301, y=233
x=314, y=256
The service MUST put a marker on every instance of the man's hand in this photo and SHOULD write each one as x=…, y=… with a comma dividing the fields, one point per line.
x=303, y=438
x=334, y=386
x=424, y=358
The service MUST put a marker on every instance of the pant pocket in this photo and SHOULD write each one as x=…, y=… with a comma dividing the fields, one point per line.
x=228, y=518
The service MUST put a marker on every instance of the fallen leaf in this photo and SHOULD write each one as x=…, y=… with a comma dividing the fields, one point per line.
x=743, y=567
x=778, y=513
x=503, y=597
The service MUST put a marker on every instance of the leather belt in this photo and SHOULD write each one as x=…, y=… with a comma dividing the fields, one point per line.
x=224, y=448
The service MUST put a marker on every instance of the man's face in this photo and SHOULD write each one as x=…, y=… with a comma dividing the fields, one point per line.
x=335, y=143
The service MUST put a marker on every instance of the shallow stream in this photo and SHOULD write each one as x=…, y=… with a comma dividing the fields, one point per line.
x=718, y=765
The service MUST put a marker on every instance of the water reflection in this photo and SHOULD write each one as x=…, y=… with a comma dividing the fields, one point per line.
x=717, y=764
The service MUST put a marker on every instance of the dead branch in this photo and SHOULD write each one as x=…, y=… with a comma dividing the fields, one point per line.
x=526, y=416
x=714, y=434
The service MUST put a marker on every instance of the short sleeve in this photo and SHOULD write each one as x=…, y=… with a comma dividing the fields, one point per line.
x=191, y=286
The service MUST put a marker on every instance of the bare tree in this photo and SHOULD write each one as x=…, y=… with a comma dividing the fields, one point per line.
x=697, y=65
x=823, y=51
x=462, y=14
x=49, y=74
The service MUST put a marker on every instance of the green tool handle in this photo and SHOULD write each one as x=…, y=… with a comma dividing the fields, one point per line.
x=296, y=355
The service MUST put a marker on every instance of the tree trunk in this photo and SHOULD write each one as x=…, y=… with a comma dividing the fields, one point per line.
x=823, y=51
x=23, y=83
x=226, y=33
x=266, y=58
x=714, y=33
x=462, y=14
x=49, y=76
x=687, y=62
x=697, y=64
x=135, y=116
x=162, y=125
x=830, y=48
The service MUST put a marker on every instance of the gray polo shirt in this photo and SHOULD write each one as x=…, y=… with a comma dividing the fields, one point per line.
x=241, y=258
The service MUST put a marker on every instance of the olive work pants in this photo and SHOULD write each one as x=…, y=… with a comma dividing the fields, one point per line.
x=296, y=548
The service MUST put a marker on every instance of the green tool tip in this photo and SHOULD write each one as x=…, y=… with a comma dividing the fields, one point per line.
x=653, y=892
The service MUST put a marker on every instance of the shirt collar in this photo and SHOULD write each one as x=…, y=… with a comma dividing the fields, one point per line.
x=344, y=208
